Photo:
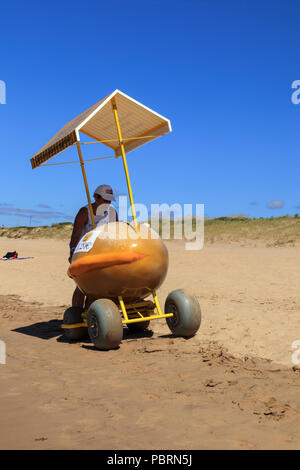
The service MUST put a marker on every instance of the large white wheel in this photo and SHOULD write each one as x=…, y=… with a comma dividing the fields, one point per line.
x=187, y=313
x=105, y=324
x=72, y=316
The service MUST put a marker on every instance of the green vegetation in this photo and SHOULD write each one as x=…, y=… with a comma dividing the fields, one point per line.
x=273, y=231
x=60, y=231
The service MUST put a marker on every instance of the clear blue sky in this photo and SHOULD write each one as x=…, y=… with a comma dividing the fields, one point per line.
x=221, y=71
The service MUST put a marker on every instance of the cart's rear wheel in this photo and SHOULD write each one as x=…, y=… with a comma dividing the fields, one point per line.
x=187, y=313
x=72, y=316
x=105, y=324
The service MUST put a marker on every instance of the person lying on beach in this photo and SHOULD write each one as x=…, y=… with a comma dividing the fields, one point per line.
x=103, y=195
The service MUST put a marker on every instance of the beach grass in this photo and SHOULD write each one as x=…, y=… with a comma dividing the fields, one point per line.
x=272, y=231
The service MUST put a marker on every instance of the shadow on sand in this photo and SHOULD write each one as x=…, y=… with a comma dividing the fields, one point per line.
x=43, y=330
x=52, y=329
x=127, y=336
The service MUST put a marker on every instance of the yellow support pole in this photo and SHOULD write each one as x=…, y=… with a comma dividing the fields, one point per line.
x=115, y=111
x=123, y=308
x=157, y=304
x=86, y=184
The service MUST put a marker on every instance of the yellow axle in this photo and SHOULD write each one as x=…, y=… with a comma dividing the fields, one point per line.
x=138, y=308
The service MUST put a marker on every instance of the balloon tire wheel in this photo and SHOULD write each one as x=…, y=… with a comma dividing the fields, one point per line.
x=187, y=313
x=71, y=316
x=104, y=324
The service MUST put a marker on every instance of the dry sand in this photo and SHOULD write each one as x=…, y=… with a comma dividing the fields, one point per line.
x=231, y=386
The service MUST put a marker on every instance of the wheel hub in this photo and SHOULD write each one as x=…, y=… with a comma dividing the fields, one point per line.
x=174, y=320
x=94, y=327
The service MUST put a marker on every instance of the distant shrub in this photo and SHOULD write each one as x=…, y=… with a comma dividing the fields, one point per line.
x=61, y=224
x=232, y=219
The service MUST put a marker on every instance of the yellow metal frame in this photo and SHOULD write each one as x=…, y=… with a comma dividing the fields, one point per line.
x=121, y=142
x=86, y=184
x=138, y=309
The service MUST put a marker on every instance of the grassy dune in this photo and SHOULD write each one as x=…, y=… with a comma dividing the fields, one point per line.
x=274, y=231
x=59, y=231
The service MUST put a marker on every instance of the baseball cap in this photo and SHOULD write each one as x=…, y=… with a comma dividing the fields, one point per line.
x=102, y=190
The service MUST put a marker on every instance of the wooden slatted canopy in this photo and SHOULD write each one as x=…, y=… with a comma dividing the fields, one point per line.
x=138, y=123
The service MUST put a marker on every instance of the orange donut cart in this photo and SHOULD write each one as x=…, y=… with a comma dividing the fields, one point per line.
x=118, y=265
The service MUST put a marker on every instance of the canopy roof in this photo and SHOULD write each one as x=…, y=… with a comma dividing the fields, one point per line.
x=138, y=123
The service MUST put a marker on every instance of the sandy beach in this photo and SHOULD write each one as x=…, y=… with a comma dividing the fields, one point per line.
x=231, y=386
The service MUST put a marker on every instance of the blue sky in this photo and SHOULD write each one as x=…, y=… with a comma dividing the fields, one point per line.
x=221, y=71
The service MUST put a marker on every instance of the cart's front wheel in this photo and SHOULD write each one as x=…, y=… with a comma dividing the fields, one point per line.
x=73, y=316
x=105, y=324
x=187, y=313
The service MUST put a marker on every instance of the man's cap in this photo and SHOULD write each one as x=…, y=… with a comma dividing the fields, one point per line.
x=102, y=191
